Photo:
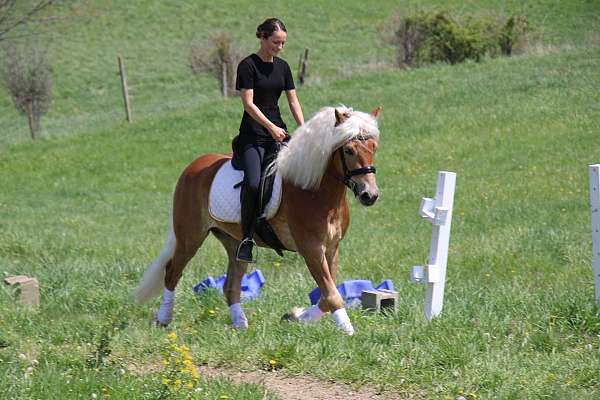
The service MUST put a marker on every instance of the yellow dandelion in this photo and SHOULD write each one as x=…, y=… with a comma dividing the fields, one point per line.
x=190, y=385
x=272, y=362
x=165, y=362
x=172, y=336
x=166, y=381
x=177, y=382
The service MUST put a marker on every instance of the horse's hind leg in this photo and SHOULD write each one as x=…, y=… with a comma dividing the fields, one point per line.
x=233, y=283
x=184, y=251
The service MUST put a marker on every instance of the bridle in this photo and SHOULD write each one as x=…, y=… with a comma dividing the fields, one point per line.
x=349, y=173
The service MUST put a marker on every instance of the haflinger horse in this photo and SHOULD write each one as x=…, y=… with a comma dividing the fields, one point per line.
x=334, y=150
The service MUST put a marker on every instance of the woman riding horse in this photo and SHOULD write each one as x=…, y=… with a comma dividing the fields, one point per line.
x=261, y=77
x=332, y=151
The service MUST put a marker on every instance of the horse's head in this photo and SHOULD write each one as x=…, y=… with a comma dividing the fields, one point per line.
x=355, y=160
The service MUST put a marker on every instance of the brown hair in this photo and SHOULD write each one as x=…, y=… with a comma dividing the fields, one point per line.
x=269, y=26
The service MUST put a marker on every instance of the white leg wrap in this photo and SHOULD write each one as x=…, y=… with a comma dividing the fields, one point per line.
x=165, y=313
x=238, y=318
x=312, y=313
x=343, y=321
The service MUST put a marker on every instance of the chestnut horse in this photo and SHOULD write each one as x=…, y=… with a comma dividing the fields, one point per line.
x=333, y=150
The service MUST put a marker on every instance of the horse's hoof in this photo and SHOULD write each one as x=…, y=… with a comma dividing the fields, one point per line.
x=293, y=315
x=242, y=326
x=156, y=323
x=347, y=328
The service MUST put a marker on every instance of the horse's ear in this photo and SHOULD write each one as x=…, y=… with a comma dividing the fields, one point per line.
x=340, y=118
x=376, y=112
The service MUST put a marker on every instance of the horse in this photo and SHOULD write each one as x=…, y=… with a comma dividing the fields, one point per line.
x=329, y=153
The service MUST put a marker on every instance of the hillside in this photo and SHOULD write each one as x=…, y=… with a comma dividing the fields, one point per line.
x=84, y=40
x=86, y=211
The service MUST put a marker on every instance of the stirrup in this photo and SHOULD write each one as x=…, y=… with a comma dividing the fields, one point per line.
x=251, y=259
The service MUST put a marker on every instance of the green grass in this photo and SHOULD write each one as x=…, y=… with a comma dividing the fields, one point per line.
x=85, y=211
x=154, y=37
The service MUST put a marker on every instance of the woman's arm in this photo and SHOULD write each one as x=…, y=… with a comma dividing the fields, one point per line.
x=247, y=96
x=295, y=107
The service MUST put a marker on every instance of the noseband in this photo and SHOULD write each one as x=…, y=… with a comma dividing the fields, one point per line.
x=349, y=173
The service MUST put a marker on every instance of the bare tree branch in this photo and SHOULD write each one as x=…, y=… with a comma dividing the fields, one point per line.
x=11, y=17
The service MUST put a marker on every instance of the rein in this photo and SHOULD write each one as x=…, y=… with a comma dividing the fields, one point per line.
x=349, y=173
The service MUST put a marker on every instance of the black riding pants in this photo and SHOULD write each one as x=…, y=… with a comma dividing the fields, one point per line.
x=254, y=159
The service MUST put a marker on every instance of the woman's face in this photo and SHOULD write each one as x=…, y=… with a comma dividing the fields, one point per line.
x=274, y=43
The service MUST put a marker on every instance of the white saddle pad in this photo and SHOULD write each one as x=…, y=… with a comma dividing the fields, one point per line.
x=224, y=199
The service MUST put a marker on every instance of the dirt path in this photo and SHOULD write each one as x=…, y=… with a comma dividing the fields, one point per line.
x=295, y=388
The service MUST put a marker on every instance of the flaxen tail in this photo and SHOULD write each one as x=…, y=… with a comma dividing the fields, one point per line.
x=153, y=281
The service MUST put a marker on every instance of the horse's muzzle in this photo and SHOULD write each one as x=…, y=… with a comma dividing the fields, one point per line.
x=368, y=199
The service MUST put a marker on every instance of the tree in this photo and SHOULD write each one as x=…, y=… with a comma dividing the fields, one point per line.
x=26, y=76
x=15, y=13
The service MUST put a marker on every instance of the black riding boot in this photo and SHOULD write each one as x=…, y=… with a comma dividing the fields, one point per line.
x=249, y=204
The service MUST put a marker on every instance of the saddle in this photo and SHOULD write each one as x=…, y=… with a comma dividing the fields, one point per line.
x=225, y=206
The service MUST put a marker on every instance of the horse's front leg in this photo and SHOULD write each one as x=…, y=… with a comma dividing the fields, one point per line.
x=324, y=275
x=332, y=261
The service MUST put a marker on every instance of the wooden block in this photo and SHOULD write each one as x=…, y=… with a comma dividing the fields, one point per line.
x=378, y=300
x=30, y=289
x=16, y=279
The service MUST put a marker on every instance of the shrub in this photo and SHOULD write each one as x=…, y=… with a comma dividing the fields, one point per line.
x=219, y=57
x=26, y=76
x=440, y=37
x=513, y=34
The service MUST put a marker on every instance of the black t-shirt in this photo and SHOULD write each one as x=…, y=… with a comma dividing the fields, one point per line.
x=267, y=80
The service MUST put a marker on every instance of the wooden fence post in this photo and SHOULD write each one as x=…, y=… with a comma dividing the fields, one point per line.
x=303, y=67
x=125, y=89
x=224, y=78
x=594, y=171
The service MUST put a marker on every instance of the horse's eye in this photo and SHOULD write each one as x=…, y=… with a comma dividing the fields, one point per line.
x=348, y=151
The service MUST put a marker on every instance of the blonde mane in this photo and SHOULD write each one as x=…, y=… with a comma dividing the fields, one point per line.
x=303, y=161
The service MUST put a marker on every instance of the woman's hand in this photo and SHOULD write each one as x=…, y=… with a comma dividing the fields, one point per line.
x=278, y=133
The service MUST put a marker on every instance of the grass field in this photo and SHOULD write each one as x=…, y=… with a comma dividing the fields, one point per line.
x=85, y=211
x=153, y=38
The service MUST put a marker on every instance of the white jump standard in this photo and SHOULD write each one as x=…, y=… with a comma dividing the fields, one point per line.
x=438, y=211
x=595, y=210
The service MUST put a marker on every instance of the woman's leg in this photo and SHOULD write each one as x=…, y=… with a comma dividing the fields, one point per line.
x=252, y=162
